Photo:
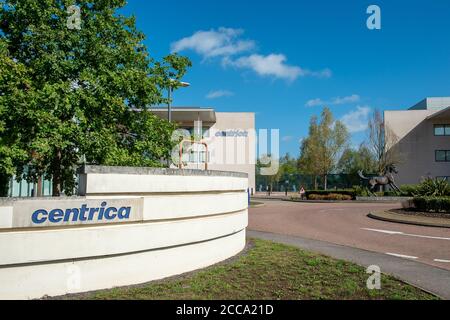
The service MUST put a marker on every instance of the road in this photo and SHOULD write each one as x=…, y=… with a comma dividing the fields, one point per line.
x=347, y=224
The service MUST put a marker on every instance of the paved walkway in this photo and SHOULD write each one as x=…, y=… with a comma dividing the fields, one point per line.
x=429, y=278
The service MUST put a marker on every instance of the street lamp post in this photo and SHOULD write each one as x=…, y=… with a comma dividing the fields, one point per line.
x=169, y=103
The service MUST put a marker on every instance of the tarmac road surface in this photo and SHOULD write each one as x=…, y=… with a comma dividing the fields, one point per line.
x=347, y=224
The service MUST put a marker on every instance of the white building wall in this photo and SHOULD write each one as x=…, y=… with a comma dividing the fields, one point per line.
x=417, y=144
x=234, y=153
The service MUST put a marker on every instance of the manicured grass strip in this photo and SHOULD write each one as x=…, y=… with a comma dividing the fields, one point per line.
x=269, y=271
x=255, y=204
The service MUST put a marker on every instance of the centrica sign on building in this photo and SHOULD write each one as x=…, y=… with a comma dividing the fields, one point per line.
x=70, y=212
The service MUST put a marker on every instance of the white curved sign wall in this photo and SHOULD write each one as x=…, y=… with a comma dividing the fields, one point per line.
x=132, y=225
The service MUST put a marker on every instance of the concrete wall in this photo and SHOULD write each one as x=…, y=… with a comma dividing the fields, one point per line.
x=179, y=221
x=432, y=103
x=417, y=144
x=234, y=153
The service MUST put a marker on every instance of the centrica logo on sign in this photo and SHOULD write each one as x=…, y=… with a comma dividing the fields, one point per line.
x=100, y=214
x=232, y=133
x=57, y=213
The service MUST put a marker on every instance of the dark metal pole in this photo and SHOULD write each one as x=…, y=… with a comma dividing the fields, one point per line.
x=169, y=109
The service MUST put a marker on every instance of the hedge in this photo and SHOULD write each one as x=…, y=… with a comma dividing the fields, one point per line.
x=432, y=204
x=330, y=197
x=324, y=193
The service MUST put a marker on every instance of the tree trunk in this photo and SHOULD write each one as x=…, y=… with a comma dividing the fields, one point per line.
x=4, y=185
x=56, y=175
x=325, y=182
x=315, y=183
x=38, y=192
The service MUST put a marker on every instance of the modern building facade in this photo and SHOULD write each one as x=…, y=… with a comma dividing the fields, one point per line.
x=423, y=139
x=224, y=141
x=229, y=137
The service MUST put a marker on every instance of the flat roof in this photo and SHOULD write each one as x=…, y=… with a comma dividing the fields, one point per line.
x=187, y=114
x=432, y=103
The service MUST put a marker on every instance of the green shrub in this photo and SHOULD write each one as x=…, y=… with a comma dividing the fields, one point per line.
x=330, y=197
x=433, y=188
x=432, y=204
x=361, y=191
x=408, y=190
x=347, y=192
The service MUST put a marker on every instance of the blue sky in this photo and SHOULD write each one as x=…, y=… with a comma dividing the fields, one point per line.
x=285, y=60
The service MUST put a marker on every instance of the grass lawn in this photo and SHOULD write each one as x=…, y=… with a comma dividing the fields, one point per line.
x=268, y=271
x=255, y=204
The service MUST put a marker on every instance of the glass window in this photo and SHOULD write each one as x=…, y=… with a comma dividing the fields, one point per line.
x=447, y=156
x=442, y=130
x=439, y=130
x=447, y=130
x=441, y=156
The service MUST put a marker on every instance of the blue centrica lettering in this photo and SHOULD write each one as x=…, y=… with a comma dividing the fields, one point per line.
x=82, y=214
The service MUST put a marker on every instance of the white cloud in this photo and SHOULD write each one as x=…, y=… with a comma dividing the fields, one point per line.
x=227, y=44
x=350, y=99
x=219, y=94
x=222, y=42
x=271, y=65
x=274, y=65
x=287, y=138
x=315, y=102
x=354, y=98
x=356, y=120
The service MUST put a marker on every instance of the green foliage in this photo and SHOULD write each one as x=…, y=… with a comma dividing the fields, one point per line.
x=353, y=160
x=408, y=190
x=330, y=197
x=432, y=204
x=324, y=193
x=361, y=191
x=319, y=151
x=432, y=188
x=68, y=95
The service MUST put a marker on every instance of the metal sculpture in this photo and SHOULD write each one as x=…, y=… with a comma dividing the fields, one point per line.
x=387, y=179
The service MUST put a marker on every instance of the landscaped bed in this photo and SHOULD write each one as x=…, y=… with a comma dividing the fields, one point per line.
x=413, y=212
x=268, y=271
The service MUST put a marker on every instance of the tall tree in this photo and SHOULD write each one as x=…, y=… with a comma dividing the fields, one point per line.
x=310, y=153
x=321, y=150
x=80, y=91
x=353, y=160
x=382, y=142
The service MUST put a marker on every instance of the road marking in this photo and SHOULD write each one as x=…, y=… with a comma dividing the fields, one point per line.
x=382, y=231
x=405, y=234
x=401, y=256
x=442, y=260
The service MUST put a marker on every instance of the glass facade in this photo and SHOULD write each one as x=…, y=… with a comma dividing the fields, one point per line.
x=25, y=189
